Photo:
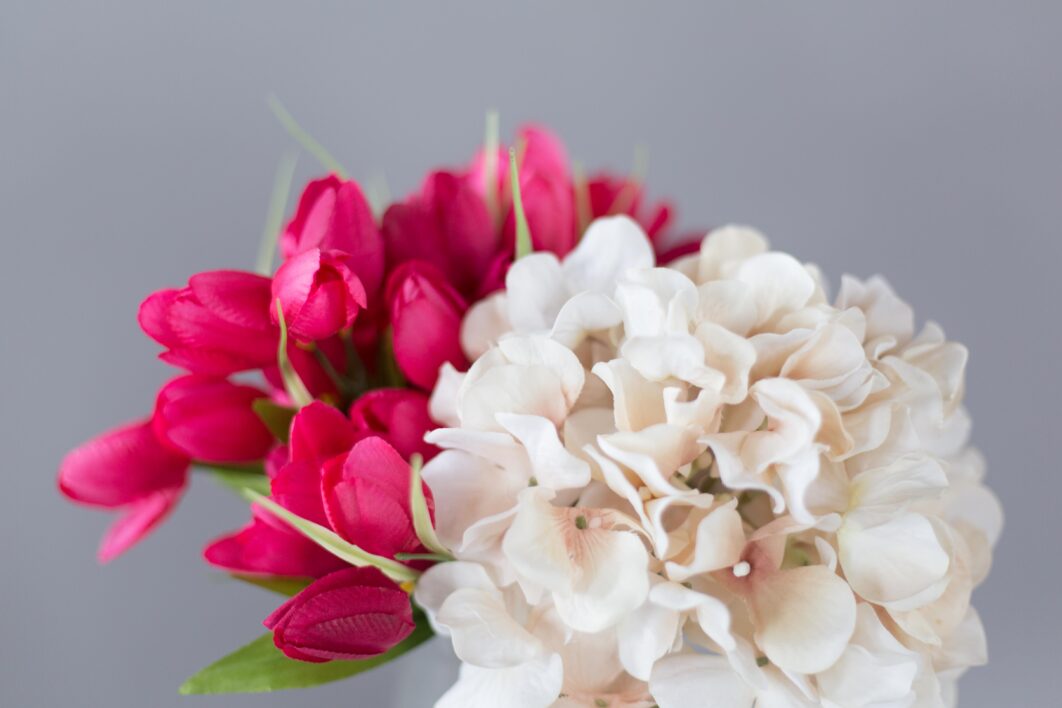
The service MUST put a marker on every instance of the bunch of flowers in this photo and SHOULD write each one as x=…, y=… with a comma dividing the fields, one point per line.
x=615, y=466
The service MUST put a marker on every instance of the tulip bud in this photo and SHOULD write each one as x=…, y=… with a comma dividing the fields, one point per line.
x=212, y=420
x=349, y=614
x=367, y=500
x=318, y=293
x=546, y=193
x=426, y=316
x=268, y=546
x=130, y=469
x=219, y=324
x=399, y=416
x=333, y=216
x=447, y=225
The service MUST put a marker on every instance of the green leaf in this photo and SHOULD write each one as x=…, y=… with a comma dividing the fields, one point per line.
x=274, y=583
x=238, y=478
x=294, y=385
x=275, y=416
x=490, y=165
x=332, y=542
x=278, y=201
x=260, y=667
x=419, y=506
x=304, y=139
x=523, y=231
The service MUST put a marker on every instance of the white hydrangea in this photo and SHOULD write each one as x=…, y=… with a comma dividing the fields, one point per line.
x=704, y=485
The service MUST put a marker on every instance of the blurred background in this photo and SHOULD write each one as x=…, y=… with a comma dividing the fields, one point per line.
x=919, y=140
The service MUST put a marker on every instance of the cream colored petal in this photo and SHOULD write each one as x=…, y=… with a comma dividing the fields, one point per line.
x=535, y=292
x=874, y=670
x=720, y=539
x=443, y=402
x=727, y=303
x=443, y=579
x=702, y=413
x=645, y=635
x=665, y=512
x=609, y=248
x=613, y=581
x=698, y=681
x=892, y=560
x=551, y=463
x=804, y=618
x=545, y=352
x=779, y=284
x=725, y=248
x=887, y=315
x=731, y=355
x=532, y=390
x=484, y=324
x=483, y=632
x=637, y=402
x=672, y=356
x=711, y=613
x=468, y=489
x=908, y=479
x=583, y=314
x=654, y=454
x=656, y=301
x=535, y=684
x=536, y=546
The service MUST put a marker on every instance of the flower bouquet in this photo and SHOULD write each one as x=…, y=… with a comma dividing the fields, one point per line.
x=613, y=464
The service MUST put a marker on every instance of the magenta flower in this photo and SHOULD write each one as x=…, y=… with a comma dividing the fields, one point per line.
x=333, y=216
x=446, y=224
x=219, y=324
x=399, y=416
x=128, y=469
x=211, y=419
x=545, y=187
x=426, y=316
x=269, y=547
x=366, y=499
x=319, y=294
x=349, y=614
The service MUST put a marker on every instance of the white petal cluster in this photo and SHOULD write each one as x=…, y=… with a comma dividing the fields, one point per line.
x=705, y=485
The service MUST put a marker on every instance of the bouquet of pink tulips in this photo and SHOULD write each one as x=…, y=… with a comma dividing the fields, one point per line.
x=615, y=464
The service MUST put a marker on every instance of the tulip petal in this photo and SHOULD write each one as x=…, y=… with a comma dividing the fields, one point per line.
x=349, y=614
x=137, y=521
x=120, y=467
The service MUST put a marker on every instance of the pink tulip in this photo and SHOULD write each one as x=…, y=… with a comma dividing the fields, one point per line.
x=319, y=294
x=130, y=469
x=219, y=324
x=399, y=416
x=333, y=216
x=610, y=195
x=268, y=546
x=426, y=316
x=545, y=188
x=366, y=498
x=319, y=432
x=446, y=224
x=211, y=419
x=349, y=614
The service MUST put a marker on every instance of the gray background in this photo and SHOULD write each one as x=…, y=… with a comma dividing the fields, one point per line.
x=915, y=139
